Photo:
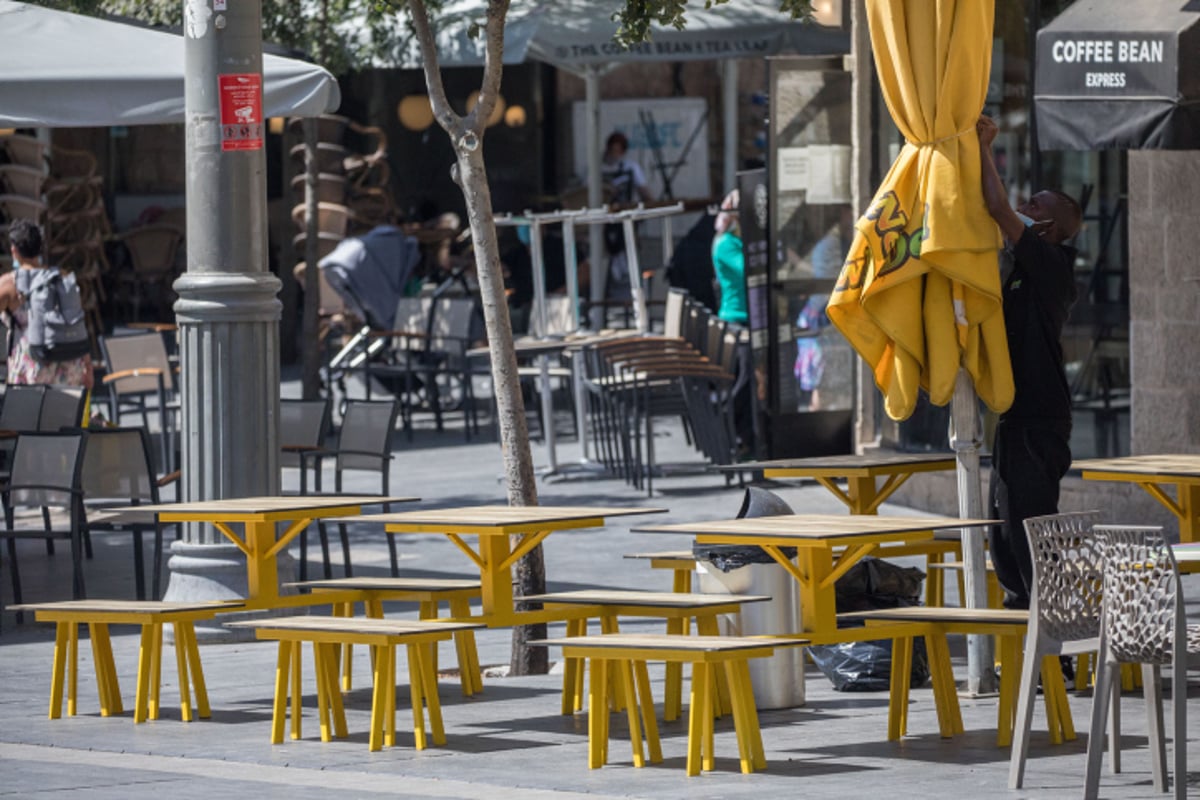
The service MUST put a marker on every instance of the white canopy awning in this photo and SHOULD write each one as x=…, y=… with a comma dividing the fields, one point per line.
x=62, y=70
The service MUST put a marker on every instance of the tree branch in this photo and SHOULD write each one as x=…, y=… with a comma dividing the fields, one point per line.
x=452, y=123
x=493, y=63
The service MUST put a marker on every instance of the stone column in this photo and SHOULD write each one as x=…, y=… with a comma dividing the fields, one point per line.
x=228, y=312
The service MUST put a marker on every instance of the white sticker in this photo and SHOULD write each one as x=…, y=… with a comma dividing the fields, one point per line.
x=218, y=5
x=196, y=14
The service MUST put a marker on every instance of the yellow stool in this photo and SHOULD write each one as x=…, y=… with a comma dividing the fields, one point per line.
x=150, y=615
x=382, y=636
x=427, y=593
x=627, y=654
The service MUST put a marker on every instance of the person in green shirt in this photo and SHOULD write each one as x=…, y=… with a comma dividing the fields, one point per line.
x=729, y=262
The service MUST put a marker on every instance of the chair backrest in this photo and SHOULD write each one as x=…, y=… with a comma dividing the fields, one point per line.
x=450, y=328
x=22, y=407
x=332, y=218
x=118, y=466
x=25, y=150
x=18, y=179
x=46, y=469
x=412, y=315
x=559, y=319
x=673, y=313
x=302, y=423
x=1068, y=563
x=138, y=351
x=1143, y=608
x=62, y=407
x=152, y=249
x=365, y=440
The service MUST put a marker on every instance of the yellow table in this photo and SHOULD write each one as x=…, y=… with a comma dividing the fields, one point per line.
x=505, y=534
x=816, y=537
x=258, y=517
x=1154, y=474
x=862, y=495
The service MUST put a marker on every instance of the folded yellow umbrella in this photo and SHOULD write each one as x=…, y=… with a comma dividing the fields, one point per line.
x=919, y=295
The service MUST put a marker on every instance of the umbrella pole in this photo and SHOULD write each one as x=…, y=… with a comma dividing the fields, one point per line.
x=965, y=438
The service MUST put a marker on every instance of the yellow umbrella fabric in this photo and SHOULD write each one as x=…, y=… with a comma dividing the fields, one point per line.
x=919, y=294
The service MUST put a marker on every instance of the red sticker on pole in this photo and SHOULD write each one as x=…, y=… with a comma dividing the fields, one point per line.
x=241, y=111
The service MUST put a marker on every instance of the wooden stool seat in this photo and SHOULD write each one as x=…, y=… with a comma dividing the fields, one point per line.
x=676, y=607
x=150, y=615
x=1009, y=627
x=382, y=635
x=626, y=656
x=427, y=593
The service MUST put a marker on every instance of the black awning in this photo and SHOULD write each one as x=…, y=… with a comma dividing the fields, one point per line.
x=1120, y=74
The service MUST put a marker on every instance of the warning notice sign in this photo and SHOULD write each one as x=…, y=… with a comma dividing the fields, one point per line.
x=241, y=111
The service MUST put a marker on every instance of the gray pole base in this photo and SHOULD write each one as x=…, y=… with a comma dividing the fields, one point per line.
x=212, y=572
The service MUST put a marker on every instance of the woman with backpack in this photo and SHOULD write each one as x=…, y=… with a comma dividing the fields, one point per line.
x=48, y=339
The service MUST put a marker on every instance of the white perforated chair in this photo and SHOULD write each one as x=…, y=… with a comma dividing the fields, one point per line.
x=1143, y=623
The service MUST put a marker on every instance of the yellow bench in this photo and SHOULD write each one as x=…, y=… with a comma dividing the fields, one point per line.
x=150, y=615
x=427, y=593
x=382, y=635
x=675, y=607
x=1008, y=626
x=626, y=656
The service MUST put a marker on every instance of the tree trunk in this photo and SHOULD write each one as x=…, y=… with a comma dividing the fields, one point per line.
x=530, y=576
x=466, y=134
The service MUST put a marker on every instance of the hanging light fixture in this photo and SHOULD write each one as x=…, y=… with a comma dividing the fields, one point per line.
x=827, y=12
x=415, y=112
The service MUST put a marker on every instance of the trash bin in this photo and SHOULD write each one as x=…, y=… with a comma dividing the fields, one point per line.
x=778, y=680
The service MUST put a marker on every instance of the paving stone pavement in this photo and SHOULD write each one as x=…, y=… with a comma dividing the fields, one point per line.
x=511, y=741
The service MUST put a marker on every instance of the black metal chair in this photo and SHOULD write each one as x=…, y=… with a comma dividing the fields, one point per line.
x=46, y=473
x=118, y=470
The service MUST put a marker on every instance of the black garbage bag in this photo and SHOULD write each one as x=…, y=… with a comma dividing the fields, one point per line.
x=867, y=666
x=728, y=557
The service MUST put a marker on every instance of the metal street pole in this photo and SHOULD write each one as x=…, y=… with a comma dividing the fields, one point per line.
x=228, y=312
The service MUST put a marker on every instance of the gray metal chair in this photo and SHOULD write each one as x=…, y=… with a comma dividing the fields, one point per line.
x=20, y=413
x=46, y=473
x=1143, y=623
x=364, y=444
x=1064, y=609
x=62, y=407
x=118, y=470
x=139, y=370
x=303, y=430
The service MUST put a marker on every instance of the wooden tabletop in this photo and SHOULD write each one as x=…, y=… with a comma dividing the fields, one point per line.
x=365, y=625
x=129, y=606
x=652, y=642
x=1164, y=466
x=1187, y=552
x=255, y=506
x=996, y=616
x=851, y=464
x=484, y=517
x=586, y=597
x=797, y=527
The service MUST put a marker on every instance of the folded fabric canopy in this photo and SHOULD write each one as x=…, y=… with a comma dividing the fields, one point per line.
x=919, y=295
x=61, y=70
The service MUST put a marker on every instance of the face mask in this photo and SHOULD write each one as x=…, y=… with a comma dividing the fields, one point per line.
x=523, y=234
x=1028, y=221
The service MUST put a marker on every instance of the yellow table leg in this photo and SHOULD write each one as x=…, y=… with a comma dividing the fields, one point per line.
x=698, y=711
x=156, y=638
x=740, y=727
x=296, y=690
x=279, y=710
x=104, y=682
x=862, y=495
x=141, y=693
x=72, y=667
x=346, y=610
x=416, y=669
x=572, y=688
x=470, y=675
x=1189, y=504
x=898, y=694
x=1010, y=666
x=193, y=656
x=323, y=693
x=378, y=701
x=649, y=724
x=181, y=666
x=616, y=697
x=756, y=745
x=389, y=689
x=433, y=705
x=706, y=625
x=598, y=714
x=427, y=609
x=58, y=675
x=329, y=666
x=673, y=691
x=1049, y=666
x=624, y=668
x=262, y=576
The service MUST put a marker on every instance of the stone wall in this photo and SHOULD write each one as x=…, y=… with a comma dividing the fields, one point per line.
x=1164, y=265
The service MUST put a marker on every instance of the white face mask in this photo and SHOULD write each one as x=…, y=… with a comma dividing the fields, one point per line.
x=1028, y=221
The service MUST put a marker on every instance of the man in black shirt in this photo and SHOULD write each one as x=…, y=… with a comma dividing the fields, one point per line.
x=1032, y=450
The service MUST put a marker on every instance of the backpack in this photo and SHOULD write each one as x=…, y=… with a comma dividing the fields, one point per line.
x=57, y=329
